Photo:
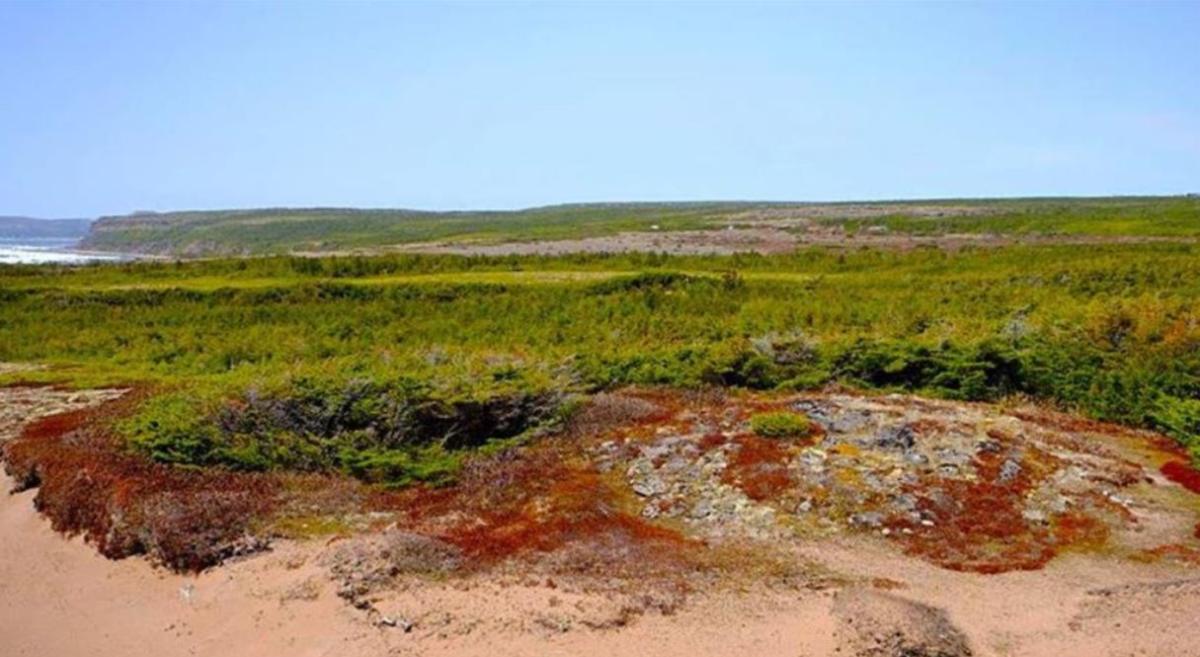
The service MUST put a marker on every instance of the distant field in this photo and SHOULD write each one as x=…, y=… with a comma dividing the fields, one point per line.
x=263, y=231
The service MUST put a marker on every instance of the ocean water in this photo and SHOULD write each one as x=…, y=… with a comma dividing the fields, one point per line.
x=47, y=250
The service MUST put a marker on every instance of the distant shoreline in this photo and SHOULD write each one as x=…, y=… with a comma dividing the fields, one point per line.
x=51, y=250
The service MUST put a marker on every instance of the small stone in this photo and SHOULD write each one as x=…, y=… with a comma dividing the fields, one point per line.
x=388, y=621
x=701, y=510
x=1009, y=470
x=650, y=486
x=868, y=519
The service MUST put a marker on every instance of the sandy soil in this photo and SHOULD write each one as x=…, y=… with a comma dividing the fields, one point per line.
x=858, y=596
x=58, y=597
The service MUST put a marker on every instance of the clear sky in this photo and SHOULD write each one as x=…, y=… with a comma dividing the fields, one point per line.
x=109, y=108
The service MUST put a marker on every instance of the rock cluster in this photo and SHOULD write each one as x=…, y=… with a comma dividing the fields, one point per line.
x=949, y=480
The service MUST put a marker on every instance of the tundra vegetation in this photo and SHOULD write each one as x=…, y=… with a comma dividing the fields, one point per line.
x=387, y=368
x=400, y=370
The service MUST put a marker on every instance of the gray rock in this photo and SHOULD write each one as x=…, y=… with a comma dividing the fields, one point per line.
x=1009, y=470
x=649, y=486
x=701, y=510
x=868, y=519
x=900, y=438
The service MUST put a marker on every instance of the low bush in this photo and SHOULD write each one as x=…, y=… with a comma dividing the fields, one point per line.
x=780, y=424
x=395, y=432
x=1180, y=418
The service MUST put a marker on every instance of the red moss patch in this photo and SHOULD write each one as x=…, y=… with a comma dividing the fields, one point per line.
x=1080, y=530
x=536, y=501
x=1183, y=474
x=758, y=466
x=978, y=525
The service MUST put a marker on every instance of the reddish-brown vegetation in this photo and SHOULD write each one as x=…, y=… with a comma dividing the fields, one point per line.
x=1173, y=552
x=1183, y=474
x=125, y=505
x=759, y=467
x=539, y=500
x=977, y=526
x=1069, y=423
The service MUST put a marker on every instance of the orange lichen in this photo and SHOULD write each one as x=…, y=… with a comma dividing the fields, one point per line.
x=846, y=449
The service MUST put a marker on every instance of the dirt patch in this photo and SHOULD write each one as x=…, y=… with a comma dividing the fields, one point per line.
x=878, y=624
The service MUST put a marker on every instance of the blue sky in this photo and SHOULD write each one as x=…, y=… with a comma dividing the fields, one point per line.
x=109, y=108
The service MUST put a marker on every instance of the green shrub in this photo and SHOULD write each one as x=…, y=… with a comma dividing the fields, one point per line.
x=171, y=429
x=780, y=424
x=1180, y=418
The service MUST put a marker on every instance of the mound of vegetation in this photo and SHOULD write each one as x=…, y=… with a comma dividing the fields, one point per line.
x=395, y=432
x=780, y=424
x=186, y=519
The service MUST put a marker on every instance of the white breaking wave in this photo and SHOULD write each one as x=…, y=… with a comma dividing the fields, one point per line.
x=46, y=252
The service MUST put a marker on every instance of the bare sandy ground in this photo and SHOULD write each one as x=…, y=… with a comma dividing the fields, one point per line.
x=859, y=597
x=58, y=597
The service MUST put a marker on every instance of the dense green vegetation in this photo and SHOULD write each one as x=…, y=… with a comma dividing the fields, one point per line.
x=780, y=424
x=388, y=368
x=322, y=229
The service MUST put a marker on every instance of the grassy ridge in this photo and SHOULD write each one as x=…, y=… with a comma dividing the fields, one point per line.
x=1133, y=217
x=290, y=230
x=388, y=367
x=284, y=230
